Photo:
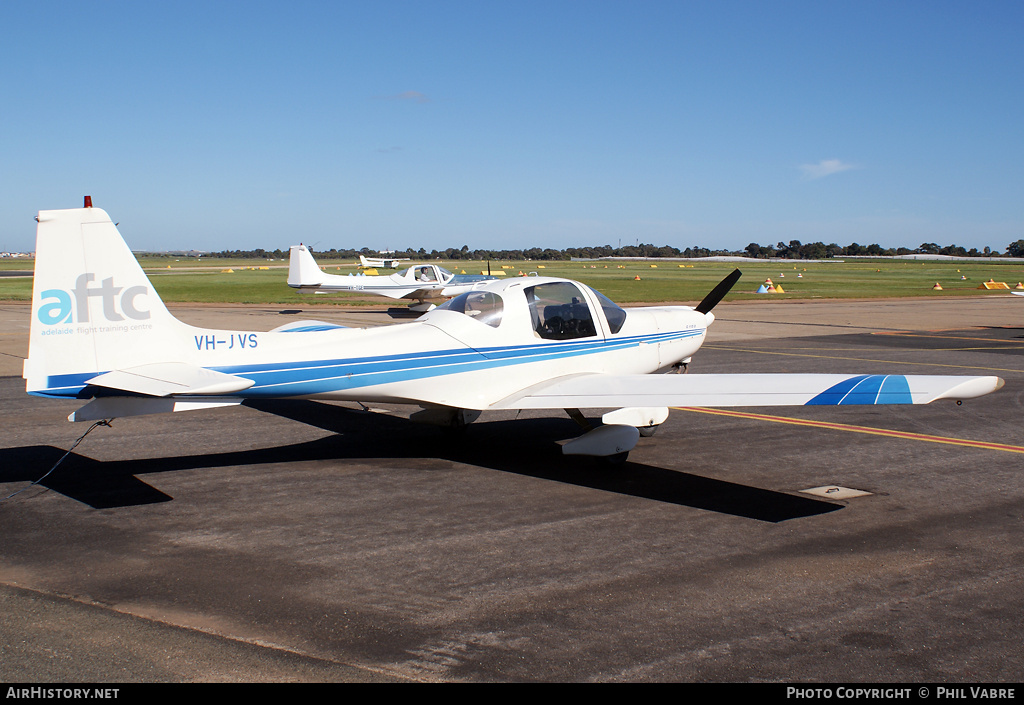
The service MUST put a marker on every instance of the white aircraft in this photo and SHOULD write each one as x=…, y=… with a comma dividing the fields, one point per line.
x=100, y=332
x=383, y=263
x=426, y=284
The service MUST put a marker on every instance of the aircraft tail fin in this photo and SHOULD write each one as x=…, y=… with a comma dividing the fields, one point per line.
x=93, y=307
x=303, y=271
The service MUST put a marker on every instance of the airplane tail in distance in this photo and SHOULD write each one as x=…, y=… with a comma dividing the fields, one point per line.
x=93, y=308
x=303, y=271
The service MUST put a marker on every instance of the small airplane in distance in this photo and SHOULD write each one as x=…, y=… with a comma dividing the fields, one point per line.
x=425, y=284
x=101, y=333
x=383, y=263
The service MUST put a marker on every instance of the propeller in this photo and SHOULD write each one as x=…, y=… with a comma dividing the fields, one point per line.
x=719, y=292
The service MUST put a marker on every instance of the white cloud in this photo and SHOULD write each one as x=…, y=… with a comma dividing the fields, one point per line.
x=413, y=96
x=826, y=167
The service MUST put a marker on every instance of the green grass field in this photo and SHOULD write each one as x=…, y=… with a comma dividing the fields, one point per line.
x=257, y=282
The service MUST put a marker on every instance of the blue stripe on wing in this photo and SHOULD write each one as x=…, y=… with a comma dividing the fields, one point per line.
x=866, y=389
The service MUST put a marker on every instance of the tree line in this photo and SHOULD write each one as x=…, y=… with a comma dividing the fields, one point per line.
x=794, y=249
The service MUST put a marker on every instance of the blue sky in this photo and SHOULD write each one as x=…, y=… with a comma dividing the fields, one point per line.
x=223, y=125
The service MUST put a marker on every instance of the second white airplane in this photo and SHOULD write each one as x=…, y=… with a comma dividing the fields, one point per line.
x=425, y=284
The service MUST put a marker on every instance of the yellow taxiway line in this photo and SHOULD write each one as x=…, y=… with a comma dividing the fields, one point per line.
x=856, y=429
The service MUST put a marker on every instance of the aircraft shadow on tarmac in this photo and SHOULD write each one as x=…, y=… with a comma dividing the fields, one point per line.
x=526, y=447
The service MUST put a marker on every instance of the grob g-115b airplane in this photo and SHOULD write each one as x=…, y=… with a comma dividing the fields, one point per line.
x=101, y=333
x=426, y=284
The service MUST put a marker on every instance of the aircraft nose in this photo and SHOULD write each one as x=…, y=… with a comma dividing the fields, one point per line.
x=709, y=318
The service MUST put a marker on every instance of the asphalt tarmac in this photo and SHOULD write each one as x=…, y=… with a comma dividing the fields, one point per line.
x=316, y=542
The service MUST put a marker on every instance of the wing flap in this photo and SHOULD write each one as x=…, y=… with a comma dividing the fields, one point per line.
x=165, y=379
x=597, y=391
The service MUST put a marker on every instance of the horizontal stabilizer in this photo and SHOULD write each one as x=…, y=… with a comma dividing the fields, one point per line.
x=171, y=378
x=596, y=391
x=120, y=407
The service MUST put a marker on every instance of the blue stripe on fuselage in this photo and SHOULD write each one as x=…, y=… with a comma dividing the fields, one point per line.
x=334, y=375
x=320, y=376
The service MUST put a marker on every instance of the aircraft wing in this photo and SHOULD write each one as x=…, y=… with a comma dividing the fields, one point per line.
x=598, y=391
x=377, y=285
x=426, y=291
x=454, y=289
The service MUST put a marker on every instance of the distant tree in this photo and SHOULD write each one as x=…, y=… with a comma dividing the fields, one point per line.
x=755, y=250
x=813, y=250
x=794, y=249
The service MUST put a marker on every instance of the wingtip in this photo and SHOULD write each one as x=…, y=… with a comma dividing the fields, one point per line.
x=974, y=387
